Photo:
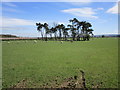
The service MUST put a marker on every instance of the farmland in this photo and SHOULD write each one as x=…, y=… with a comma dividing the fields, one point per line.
x=42, y=62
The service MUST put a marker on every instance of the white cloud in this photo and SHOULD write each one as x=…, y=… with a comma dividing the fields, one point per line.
x=10, y=4
x=113, y=10
x=9, y=22
x=15, y=28
x=100, y=8
x=21, y=27
x=81, y=12
x=11, y=10
x=21, y=24
x=79, y=3
x=16, y=22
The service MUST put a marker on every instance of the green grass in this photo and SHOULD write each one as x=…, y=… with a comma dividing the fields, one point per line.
x=43, y=61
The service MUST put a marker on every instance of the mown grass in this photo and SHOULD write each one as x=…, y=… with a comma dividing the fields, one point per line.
x=42, y=62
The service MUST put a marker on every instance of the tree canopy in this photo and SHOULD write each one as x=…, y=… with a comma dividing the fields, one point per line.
x=77, y=30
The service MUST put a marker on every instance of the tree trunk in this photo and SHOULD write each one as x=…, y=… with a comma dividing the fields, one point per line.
x=42, y=35
x=55, y=36
x=73, y=37
x=46, y=38
x=65, y=38
x=59, y=34
x=78, y=38
x=50, y=36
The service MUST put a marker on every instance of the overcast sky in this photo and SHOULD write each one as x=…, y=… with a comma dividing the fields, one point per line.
x=19, y=18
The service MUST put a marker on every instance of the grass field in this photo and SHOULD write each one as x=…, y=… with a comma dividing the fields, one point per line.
x=43, y=62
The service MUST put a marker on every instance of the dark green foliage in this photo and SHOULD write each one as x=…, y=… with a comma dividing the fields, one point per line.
x=77, y=29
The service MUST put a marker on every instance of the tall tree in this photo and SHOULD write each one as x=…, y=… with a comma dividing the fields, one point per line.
x=45, y=25
x=39, y=28
x=50, y=32
x=73, y=28
x=65, y=33
x=85, y=28
x=62, y=29
x=54, y=31
x=58, y=27
x=78, y=29
x=73, y=31
x=73, y=21
x=90, y=31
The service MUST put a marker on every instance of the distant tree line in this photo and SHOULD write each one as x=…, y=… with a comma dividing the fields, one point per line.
x=107, y=35
x=77, y=30
x=7, y=36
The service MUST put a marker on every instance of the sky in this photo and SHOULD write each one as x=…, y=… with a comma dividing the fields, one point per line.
x=19, y=18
